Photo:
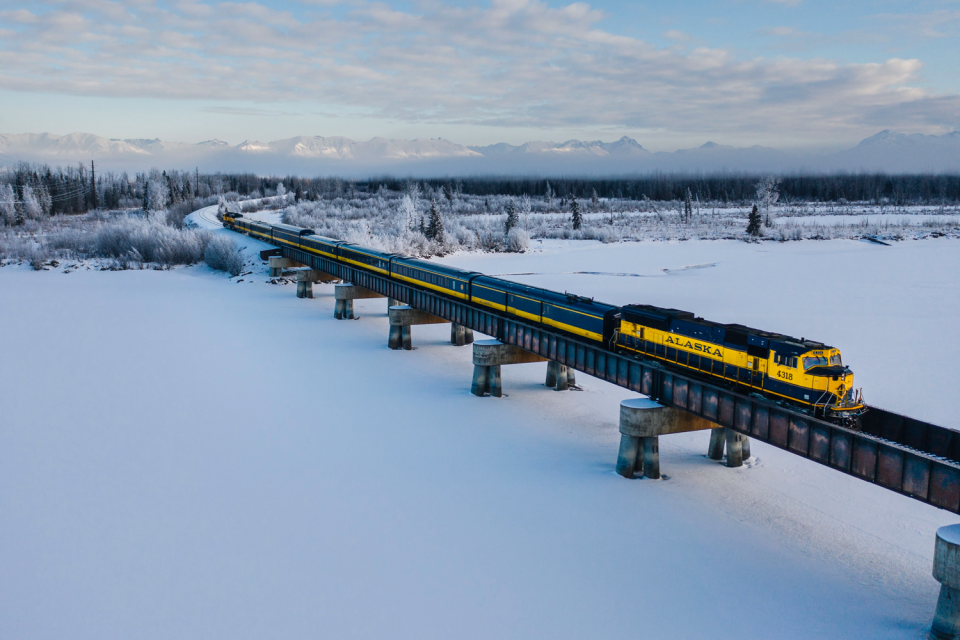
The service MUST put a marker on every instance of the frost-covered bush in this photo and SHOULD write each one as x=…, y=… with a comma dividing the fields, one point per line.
x=223, y=254
x=517, y=240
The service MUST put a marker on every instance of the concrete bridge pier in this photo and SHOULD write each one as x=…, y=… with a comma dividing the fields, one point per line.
x=488, y=357
x=306, y=278
x=737, y=445
x=946, y=570
x=278, y=264
x=642, y=422
x=559, y=376
x=460, y=335
x=402, y=317
x=345, y=294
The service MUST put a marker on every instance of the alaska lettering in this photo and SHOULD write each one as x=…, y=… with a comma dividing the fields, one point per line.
x=693, y=346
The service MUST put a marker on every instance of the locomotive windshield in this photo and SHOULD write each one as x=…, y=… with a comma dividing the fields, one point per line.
x=815, y=361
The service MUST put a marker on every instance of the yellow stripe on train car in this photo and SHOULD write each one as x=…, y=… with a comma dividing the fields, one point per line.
x=523, y=314
x=364, y=265
x=429, y=285
x=322, y=253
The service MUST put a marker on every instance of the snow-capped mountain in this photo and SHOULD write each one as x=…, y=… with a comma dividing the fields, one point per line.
x=886, y=151
x=915, y=152
x=625, y=146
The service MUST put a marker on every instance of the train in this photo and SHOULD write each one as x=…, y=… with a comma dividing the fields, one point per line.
x=804, y=374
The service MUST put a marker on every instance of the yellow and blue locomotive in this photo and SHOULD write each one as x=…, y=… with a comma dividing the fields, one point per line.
x=801, y=372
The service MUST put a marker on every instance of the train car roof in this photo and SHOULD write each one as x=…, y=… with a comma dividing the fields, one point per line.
x=289, y=228
x=370, y=252
x=791, y=343
x=318, y=238
x=255, y=223
x=436, y=267
x=575, y=301
x=509, y=285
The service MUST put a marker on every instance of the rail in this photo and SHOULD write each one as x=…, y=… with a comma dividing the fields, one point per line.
x=911, y=457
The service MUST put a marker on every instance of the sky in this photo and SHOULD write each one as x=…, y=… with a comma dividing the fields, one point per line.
x=781, y=73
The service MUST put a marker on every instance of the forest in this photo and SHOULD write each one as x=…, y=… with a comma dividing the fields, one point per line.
x=32, y=190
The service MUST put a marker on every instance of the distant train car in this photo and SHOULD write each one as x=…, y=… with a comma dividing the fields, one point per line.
x=803, y=372
x=580, y=316
x=567, y=312
x=289, y=235
x=364, y=258
x=256, y=229
x=321, y=246
x=448, y=280
x=510, y=297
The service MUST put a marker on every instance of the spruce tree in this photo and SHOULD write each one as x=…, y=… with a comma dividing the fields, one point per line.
x=298, y=194
x=575, y=215
x=435, y=226
x=512, y=218
x=754, y=221
x=93, y=186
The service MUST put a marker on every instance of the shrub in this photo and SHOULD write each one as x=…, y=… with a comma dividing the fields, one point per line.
x=517, y=240
x=223, y=254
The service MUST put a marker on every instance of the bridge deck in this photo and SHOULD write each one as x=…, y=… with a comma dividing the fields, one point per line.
x=908, y=456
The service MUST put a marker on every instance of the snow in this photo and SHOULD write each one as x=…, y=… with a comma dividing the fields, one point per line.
x=950, y=534
x=185, y=456
x=640, y=403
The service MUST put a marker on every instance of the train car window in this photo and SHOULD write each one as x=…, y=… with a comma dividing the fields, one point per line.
x=815, y=361
x=793, y=362
x=835, y=359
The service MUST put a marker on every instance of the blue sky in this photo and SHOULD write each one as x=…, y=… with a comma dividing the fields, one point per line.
x=785, y=73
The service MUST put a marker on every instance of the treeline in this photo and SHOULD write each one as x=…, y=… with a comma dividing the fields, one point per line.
x=876, y=188
x=740, y=188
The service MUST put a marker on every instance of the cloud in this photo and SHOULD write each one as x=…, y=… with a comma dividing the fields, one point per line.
x=513, y=63
x=246, y=111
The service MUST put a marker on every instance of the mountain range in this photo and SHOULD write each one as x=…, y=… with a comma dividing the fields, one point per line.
x=886, y=151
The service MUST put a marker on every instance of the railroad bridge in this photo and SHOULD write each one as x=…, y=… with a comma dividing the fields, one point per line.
x=901, y=454
x=909, y=456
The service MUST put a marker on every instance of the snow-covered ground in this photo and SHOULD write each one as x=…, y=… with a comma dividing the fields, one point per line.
x=183, y=455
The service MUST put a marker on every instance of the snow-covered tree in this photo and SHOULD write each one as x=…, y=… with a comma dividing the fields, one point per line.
x=525, y=207
x=768, y=194
x=594, y=199
x=8, y=209
x=31, y=206
x=575, y=215
x=281, y=190
x=157, y=195
x=512, y=218
x=407, y=215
